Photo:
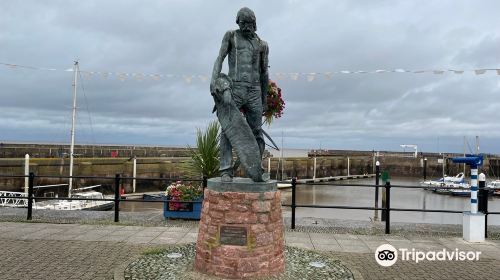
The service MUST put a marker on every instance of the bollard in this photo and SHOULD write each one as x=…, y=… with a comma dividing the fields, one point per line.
x=26, y=172
x=483, y=201
x=425, y=169
x=388, y=208
x=294, y=187
x=31, y=180
x=377, y=175
x=117, y=198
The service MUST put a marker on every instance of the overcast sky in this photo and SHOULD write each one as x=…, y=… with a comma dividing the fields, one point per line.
x=348, y=111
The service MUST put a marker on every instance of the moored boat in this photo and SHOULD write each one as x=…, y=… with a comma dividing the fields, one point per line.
x=94, y=205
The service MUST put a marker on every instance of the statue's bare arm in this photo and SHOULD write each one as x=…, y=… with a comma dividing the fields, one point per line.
x=264, y=73
x=223, y=52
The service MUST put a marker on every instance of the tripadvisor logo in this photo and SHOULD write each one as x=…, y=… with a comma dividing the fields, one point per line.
x=387, y=255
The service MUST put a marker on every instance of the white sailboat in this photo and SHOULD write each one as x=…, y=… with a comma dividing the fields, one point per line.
x=85, y=192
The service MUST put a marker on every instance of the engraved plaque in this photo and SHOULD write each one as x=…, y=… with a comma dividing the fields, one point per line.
x=233, y=235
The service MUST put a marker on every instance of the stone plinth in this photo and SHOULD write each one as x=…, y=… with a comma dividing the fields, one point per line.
x=241, y=230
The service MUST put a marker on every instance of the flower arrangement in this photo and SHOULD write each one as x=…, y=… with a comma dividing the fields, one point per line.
x=182, y=192
x=275, y=103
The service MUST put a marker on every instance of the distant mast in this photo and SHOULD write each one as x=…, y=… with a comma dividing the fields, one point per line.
x=73, y=120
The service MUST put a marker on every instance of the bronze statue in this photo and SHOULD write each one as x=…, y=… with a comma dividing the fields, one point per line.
x=243, y=89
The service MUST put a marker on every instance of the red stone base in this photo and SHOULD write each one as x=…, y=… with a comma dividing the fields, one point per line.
x=260, y=214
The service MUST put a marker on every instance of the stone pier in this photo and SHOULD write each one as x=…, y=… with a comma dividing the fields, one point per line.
x=241, y=230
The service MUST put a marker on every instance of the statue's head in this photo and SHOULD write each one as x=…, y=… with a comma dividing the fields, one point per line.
x=246, y=21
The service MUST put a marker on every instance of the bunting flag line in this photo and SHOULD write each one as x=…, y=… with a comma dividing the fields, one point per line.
x=294, y=76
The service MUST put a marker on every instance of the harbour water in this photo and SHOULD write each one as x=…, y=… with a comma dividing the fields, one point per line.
x=364, y=197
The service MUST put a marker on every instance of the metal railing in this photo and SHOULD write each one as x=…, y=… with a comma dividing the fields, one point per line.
x=117, y=180
x=386, y=204
x=386, y=207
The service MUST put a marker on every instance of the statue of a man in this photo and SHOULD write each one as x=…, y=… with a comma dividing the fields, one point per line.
x=248, y=63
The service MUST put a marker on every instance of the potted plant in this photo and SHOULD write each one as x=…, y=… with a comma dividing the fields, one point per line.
x=205, y=156
x=183, y=201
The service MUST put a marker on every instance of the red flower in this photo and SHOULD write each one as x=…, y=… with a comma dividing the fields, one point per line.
x=275, y=103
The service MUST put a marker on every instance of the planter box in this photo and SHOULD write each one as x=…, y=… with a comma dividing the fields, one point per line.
x=182, y=210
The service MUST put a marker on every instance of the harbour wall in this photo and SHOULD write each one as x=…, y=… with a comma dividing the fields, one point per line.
x=333, y=164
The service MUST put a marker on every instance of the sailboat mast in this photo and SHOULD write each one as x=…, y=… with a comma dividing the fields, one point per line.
x=477, y=145
x=73, y=120
x=465, y=150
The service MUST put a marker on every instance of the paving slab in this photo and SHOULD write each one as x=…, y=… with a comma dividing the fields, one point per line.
x=301, y=245
x=139, y=240
x=327, y=247
x=93, y=251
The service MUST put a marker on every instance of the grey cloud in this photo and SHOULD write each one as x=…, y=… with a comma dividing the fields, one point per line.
x=363, y=111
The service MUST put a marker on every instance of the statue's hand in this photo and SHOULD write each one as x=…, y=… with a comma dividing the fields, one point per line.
x=227, y=97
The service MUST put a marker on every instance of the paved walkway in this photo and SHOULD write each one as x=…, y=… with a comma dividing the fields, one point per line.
x=74, y=251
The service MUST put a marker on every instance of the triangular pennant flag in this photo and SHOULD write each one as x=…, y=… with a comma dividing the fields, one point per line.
x=87, y=75
x=328, y=75
x=121, y=76
x=294, y=76
x=279, y=76
x=139, y=77
x=188, y=79
x=311, y=77
x=480, y=71
x=203, y=78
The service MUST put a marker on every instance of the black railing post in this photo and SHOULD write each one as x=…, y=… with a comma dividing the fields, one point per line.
x=377, y=178
x=31, y=180
x=117, y=198
x=486, y=215
x=388, y=208
x=425, y=169
x=205, y=183
x=294, y=188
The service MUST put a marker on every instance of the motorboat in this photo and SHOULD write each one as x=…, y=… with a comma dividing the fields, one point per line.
x=494, y=187
x=457, y=179
x=461, y=189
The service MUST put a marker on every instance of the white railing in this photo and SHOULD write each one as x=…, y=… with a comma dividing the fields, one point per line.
x=15, y=199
